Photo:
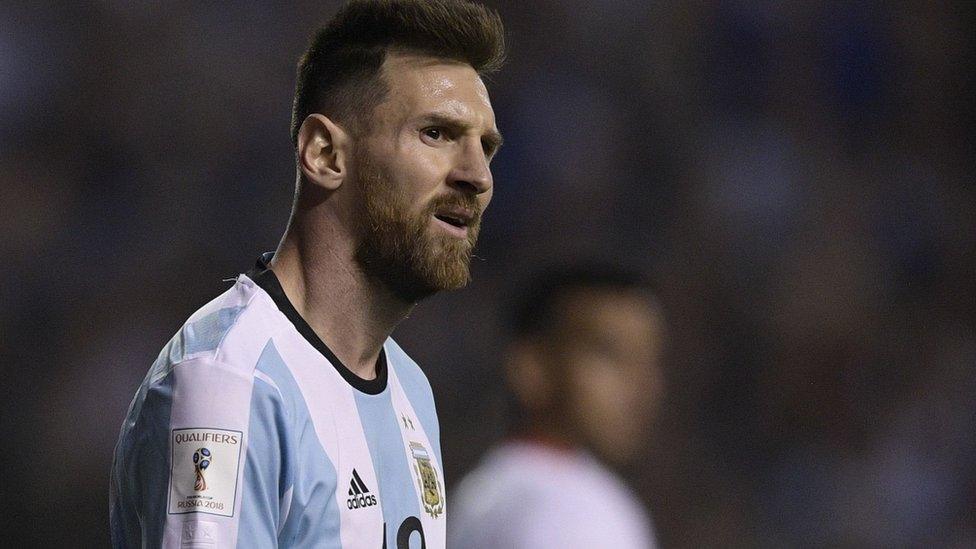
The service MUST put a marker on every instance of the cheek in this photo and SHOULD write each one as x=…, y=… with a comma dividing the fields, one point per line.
x=411, y=169
x=602, y=395
x=424, y=164
x=413, y=197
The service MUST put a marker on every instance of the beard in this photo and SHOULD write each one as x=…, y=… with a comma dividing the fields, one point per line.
x=397, y=248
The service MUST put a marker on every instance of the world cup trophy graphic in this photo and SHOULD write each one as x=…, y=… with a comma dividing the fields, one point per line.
x=201, y=460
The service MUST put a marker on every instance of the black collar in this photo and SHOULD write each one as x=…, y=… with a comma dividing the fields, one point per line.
x=263, y=276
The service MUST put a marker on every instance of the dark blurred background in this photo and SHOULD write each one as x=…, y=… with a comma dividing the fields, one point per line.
x=797, y=178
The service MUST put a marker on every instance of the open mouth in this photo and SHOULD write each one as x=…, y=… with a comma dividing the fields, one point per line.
x=451, y=220
x=456, y=220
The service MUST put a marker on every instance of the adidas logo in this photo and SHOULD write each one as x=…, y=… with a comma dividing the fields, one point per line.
x=359, y=495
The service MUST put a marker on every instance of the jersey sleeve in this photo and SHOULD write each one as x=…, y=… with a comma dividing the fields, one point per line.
x=200, y=460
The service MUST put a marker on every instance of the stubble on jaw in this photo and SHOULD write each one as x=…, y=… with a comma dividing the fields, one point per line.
x=398, y=249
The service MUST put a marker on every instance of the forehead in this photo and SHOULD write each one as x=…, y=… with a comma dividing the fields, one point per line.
x=420, y=84
x=623, y=313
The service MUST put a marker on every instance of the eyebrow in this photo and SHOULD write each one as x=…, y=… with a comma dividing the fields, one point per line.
x=492, y=139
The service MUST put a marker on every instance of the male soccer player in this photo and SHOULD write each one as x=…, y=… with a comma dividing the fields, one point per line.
x=584, y=371
x=282, y=414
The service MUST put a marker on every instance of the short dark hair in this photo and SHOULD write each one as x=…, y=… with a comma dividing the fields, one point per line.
x=536, y=311
x=339, y=72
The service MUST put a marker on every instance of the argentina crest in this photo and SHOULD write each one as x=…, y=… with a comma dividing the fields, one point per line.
x=431, y=491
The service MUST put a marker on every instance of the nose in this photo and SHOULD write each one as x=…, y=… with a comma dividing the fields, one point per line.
x=471, y=173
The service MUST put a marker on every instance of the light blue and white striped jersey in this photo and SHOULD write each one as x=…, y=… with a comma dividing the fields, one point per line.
x=249, y=432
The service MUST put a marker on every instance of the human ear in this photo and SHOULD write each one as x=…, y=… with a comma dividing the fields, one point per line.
x=323, y=147
x=527, y=377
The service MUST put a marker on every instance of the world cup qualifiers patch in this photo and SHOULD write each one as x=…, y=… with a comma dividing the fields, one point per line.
x=204, y=471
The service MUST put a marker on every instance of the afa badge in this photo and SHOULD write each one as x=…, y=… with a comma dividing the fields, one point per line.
x=432, y=495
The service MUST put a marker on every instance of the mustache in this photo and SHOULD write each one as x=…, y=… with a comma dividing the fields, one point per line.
x=465, y=201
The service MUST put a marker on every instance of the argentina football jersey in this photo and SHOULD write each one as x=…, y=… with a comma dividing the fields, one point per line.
x=249, y=432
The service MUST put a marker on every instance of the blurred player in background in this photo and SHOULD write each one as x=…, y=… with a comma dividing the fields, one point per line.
x=282, y=414
x=584, y=370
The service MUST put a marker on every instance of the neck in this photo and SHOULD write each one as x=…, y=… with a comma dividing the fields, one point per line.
x=547, y=439
x=545, y=426
x=352, y=313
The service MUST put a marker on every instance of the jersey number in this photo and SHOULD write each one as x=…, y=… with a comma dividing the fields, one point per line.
x=407, y=527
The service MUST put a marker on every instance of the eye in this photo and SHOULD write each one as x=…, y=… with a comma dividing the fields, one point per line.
x=432, y=134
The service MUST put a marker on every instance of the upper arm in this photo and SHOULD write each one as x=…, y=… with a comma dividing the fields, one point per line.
x=192, y=461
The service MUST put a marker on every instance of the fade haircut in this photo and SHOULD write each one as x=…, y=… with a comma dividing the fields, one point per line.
x=339, y=74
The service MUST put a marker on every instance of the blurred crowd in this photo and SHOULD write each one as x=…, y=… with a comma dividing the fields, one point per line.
x=797, y=178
